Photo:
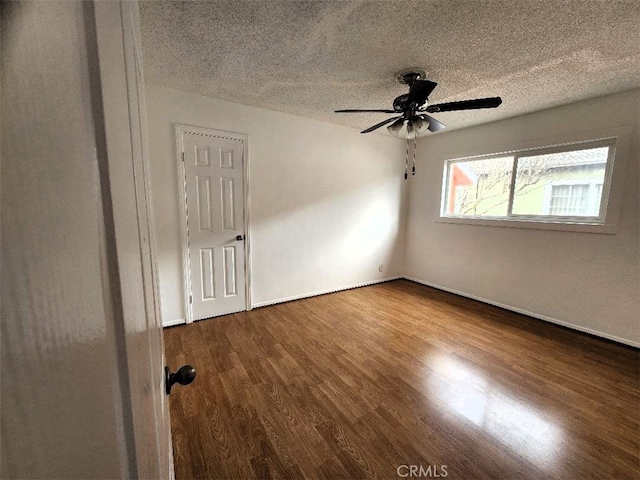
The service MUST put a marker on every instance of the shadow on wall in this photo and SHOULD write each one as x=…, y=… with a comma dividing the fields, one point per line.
x=331, y=243
x=297, y=182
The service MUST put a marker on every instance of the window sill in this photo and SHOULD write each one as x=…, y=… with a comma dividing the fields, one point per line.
x=608, y=229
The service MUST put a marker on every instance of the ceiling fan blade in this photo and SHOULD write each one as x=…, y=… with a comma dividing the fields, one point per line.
x=434, y=125
x=420, y=91
x=492, y=102
x=358, y=111
x=381, y=124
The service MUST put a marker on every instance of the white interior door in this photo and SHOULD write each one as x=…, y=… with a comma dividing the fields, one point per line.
x=215, y=222
x=120, y=57
x=82, y=381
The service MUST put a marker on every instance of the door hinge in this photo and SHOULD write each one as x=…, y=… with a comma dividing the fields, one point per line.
x=190, y=299
x=183, y=156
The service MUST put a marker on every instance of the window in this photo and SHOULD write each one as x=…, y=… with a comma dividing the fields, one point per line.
x=560, y=184
x=573, y=198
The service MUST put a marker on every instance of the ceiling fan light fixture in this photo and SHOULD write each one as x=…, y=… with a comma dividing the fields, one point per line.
x=408, y=129
x=411, y=130
x=420, y=125
x=395, y=128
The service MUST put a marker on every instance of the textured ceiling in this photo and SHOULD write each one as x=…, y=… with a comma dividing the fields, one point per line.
x=311, y=57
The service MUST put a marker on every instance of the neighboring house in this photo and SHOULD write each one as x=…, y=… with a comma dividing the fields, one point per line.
x=558, y=184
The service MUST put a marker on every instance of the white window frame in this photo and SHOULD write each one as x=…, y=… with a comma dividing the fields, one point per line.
x=602, y=223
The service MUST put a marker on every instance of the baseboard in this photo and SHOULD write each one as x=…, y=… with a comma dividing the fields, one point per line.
x=171, y=323
x=538, y=316
x=322, y=292
x=529, y=314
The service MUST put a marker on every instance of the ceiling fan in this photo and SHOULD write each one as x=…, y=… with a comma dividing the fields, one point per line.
x=414, y=106
x=413, y=109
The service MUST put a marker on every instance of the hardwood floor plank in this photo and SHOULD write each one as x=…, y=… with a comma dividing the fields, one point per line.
x=359, y=383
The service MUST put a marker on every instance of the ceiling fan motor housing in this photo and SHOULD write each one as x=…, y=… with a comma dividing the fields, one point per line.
x=400, y=103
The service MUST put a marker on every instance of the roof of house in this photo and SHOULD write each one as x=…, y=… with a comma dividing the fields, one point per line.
x=576, y=158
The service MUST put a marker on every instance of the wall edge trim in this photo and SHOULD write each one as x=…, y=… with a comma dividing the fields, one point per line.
x=528, y=313
x=537, y=316
x=324, y=292
x=171, y=323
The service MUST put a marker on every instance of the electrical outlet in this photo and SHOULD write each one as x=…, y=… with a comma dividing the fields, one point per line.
x=380, y=267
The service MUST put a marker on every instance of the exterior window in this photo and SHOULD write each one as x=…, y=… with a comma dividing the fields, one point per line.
x=565, y=184
x=574, y=198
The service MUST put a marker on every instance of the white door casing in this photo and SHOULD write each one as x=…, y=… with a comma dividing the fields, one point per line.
x=213, y=177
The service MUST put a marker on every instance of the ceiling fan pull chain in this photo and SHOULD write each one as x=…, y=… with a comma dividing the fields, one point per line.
x=415, y=147
x=406, y=162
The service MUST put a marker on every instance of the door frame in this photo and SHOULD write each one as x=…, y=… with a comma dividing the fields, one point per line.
x=182, y=129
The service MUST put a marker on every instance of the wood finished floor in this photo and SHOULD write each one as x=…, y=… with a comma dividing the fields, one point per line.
x=359, y=383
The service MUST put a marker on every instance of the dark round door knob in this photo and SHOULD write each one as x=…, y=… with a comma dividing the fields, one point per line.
x=184, y=376
x=239, y=238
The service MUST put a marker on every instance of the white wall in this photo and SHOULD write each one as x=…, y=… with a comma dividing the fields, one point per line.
x=588, y=280
x=327, y=208
x=325, y=200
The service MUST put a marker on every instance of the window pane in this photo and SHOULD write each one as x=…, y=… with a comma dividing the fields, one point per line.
x=479, y=188
x=569, y=200
x=564, y=183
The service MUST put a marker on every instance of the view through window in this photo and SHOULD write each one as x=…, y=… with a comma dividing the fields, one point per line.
x=564, y=183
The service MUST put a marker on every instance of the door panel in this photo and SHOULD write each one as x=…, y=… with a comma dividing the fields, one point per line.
x=229, y=267
x=214, y=187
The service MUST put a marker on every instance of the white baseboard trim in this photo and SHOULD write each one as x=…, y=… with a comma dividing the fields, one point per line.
x=538, y=316
x=171, y=323
x=322, y=292
x=529, y=314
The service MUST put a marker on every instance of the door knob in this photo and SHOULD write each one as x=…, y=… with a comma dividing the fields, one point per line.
x=239, y=237
x=184, y=376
